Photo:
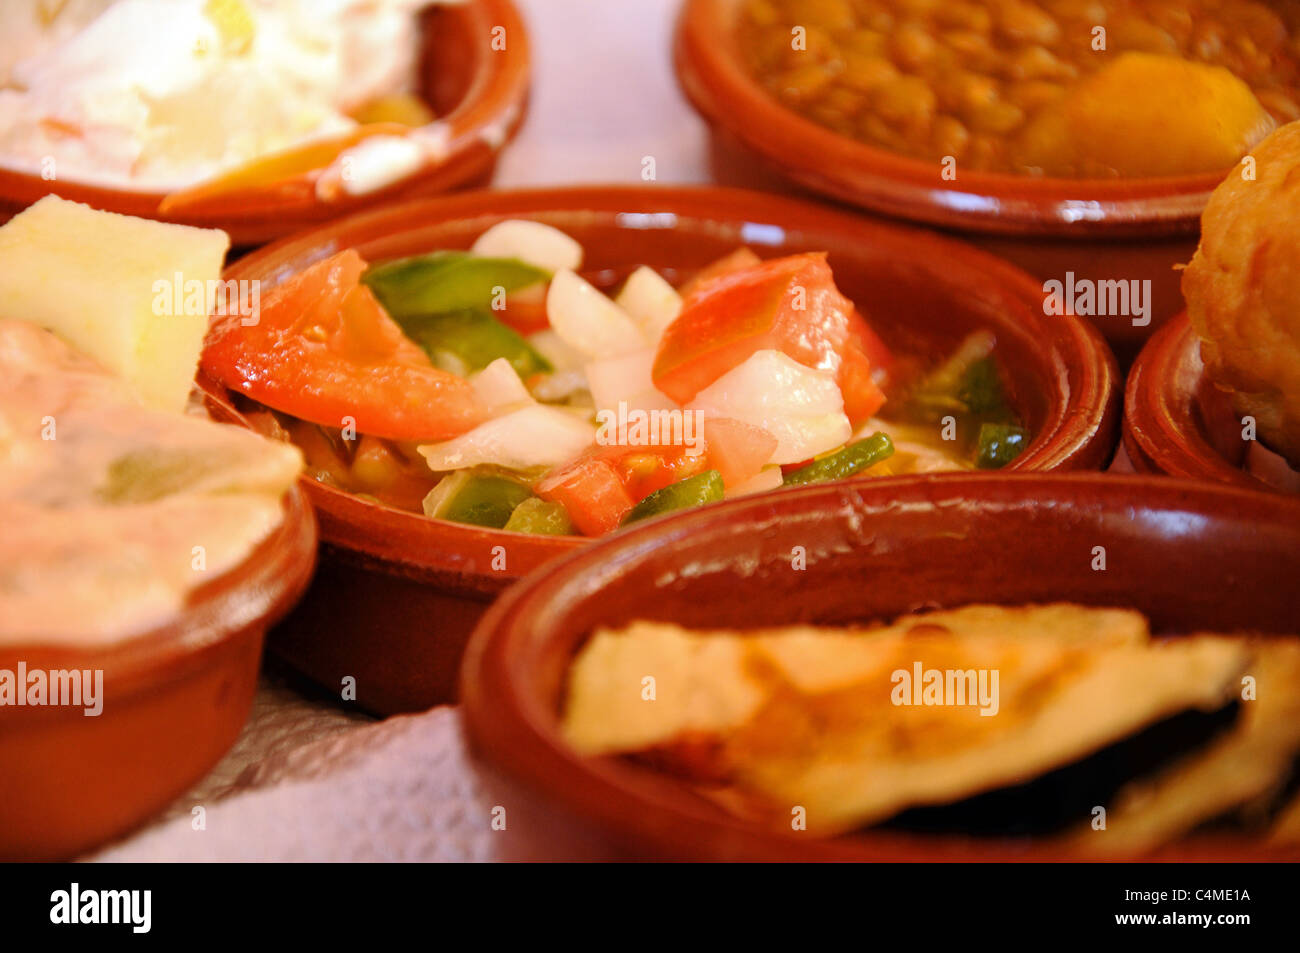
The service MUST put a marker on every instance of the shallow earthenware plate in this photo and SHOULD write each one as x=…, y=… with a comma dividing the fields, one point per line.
x=1192, y=557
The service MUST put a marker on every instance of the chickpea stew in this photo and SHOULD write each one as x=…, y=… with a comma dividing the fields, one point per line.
x=1064, y=88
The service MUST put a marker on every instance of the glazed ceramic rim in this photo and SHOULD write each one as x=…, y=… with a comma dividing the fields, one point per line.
x=1160, y=430
x=714, y=79
x=1079, y=434
x=259, y=591
x=515, y=734
x=481, y=124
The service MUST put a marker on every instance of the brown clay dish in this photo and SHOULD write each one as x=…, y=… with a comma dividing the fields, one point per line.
x=397, y=594
x=175, y=700
x=1190, y=556
x=479, y=91
x=1100, y=229
x=713, y=74
x=1175, y=420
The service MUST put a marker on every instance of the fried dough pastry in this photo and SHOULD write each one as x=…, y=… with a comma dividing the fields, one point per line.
x=1243, y=290
x=1249, y=762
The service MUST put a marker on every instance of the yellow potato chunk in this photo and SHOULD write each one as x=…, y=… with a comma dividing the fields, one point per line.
x=1147, y=115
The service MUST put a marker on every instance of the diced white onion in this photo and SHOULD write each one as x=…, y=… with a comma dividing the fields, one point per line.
x=626, y=380
x=651, y=301
x=587, y=320
x=533, y=436
x=562, y=385
x=531, y=242
x=561, y=356
x=499, y=388
x=802, y=408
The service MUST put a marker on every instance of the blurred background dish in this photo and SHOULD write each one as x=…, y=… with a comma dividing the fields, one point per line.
x=1216, y=395
x=1241, y=292
x=146, y=548
x=1014, y=70
x=1191, y=557
x=385, y=571
x=175, y=700
x=472, y=71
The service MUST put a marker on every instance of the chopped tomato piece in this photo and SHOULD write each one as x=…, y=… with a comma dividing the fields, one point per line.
x=525, y=312
x=601, y=486
x=605, y=482
x=737, y=450
x=862, y=394
x=324, y=350
x=787, y=304
x=592, y=492
x=646, y=469
x=738, y=260
x=878, y=354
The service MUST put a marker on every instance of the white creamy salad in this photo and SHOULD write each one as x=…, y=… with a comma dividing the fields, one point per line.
x=162, y=94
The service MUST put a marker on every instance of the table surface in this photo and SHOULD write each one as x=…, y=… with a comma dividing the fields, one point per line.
x=301, y=781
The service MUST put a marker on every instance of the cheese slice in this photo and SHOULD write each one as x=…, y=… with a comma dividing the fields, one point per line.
x=131, y=293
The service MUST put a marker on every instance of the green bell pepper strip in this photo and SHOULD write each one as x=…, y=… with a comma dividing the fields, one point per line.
x=693, y=491
x=447, y=281
x=982, y=392
x=541, y=518
x=476, y=339
x=477, y=499
x=999, y=444
x=854, y=458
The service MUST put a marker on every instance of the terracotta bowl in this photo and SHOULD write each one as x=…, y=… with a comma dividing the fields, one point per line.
x=175, y=699
x=480, y=92
x=1047, y=226
x=397, y=594
x=1191, y=556
x=1176, y=421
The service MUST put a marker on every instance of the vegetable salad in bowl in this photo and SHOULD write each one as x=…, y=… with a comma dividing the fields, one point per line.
x=501, y=386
